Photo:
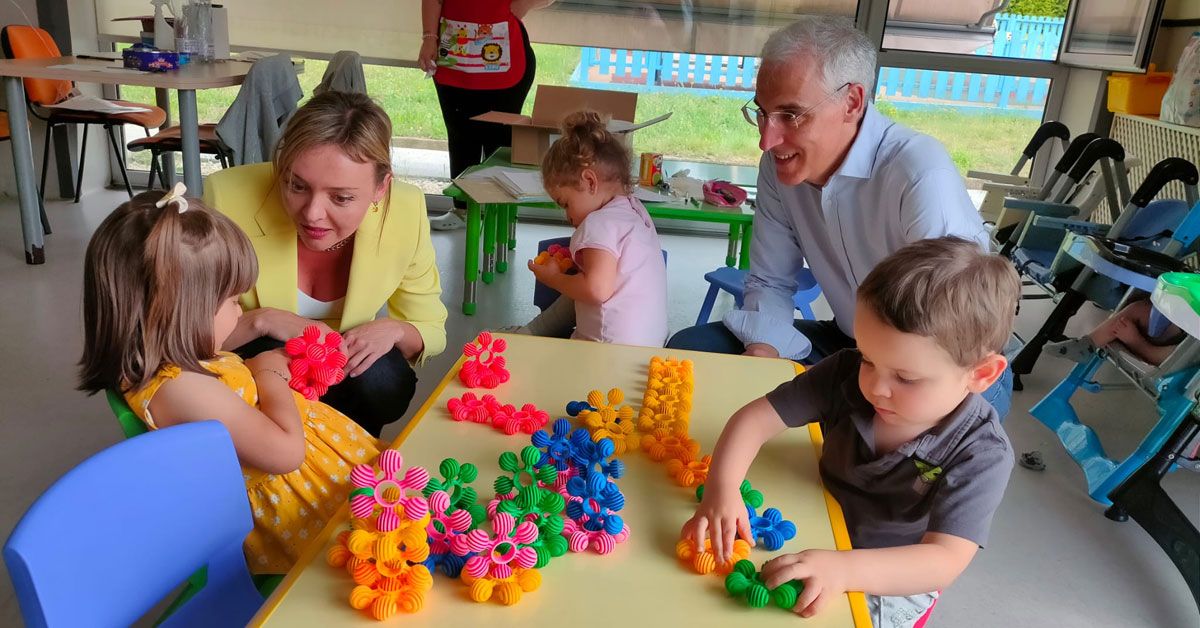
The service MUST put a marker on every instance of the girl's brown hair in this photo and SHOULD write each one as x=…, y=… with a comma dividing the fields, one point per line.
x=348, y=120
x=153, y=280
x=586, y=142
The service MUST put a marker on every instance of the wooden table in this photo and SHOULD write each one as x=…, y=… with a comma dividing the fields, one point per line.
x=493, y=213
x=641, y=583
x=184, y=81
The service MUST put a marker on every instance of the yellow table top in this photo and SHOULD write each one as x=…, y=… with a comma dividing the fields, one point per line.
x=642, y=578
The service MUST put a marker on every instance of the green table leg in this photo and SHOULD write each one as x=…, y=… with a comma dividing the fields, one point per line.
x=735, y=235
x=744, y=257
x=502, y=239
x=512, y=227
x=490, y=217
x=471, y=264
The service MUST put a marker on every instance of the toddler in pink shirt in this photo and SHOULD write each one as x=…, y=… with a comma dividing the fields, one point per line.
x=620, y=290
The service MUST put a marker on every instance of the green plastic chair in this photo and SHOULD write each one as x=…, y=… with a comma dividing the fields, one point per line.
x=132, y=426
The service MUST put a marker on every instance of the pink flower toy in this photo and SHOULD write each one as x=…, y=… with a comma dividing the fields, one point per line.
x=315, y=365
x=496, y=556
x=485, y=368
x=580, y=539
x=389, y=493
x=528, y=419
x=473, y=409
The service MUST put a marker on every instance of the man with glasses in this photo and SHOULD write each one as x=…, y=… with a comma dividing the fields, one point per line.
x=840, y=187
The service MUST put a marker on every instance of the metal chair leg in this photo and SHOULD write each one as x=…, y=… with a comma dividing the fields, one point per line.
x=82, y=157
x=46, y=158
x=150, y=176
x=112, y=139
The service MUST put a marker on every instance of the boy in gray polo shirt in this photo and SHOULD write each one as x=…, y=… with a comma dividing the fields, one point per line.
x=916, y=458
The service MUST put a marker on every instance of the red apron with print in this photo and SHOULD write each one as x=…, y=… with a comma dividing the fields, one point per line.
x=480, y=45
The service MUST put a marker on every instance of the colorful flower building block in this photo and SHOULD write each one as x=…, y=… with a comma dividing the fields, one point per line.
x=486, y=367
x=388, y=490
x=580, y=539
x=387, y=567
x=506, y=591
x=616, y=425
x=544, y=508
x=745, y=582
x=663, y=444
x=496, y=556
x=511, y=420
x=315, y=365
x=751, y=496
x=689, y=472
x=456, y=482
x=445, y=523
x=598, y=501
x=704, y=561
x=556, y=444
x=594, y=455
x=556, y=254
x=771, y=529
x=667, y=402
x=472, y=408
x=523, y=471
x=575, y=407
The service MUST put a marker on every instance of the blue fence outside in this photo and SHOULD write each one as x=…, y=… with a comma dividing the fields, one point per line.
x=1016, y=36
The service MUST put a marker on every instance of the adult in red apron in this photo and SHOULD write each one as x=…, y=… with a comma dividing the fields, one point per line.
x=480, y=53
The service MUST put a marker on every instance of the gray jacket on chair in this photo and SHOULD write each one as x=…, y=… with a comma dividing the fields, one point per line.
x=254, y=122
x=344, y=74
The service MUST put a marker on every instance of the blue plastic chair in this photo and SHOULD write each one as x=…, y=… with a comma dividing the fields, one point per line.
x=733, y=281
x=74, y=561
x=544, y=295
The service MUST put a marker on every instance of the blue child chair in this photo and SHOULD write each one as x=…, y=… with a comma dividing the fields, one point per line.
x=73, y=560
x=544, y=295
x=733, y=281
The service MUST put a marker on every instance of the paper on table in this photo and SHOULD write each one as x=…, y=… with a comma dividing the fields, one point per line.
x=99, y=105
x=646, y=195
x=523, y=185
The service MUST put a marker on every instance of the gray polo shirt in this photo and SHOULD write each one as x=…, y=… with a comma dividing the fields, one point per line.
x=949, y=479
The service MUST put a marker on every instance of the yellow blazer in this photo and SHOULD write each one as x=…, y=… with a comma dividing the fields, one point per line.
x=393, y=264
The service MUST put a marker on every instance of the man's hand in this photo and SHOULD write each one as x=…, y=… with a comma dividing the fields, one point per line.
x=761, y=350
x=824, y=573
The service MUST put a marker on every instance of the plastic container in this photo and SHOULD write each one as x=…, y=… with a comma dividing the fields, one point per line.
x=1138, y=94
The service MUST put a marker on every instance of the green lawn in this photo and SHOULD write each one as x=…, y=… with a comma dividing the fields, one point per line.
x=703, y=128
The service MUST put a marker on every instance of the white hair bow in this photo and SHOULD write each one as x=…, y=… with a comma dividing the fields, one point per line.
x=175, y=195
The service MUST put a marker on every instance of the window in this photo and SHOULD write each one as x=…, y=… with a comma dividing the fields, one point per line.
x=976, y=27
x=1111, y=34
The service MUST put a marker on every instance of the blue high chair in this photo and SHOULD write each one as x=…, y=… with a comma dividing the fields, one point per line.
x=1132, y=269
x=118, y=533
x=1043, y=255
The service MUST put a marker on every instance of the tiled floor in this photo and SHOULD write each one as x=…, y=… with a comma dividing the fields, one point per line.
x=1053, y=560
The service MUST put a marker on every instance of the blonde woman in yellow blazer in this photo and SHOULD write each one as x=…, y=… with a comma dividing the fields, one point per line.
x=339, y=243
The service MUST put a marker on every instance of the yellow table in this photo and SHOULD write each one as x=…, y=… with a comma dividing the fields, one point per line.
x=641, y=583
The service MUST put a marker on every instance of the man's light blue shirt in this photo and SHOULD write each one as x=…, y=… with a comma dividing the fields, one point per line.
x=895, y=187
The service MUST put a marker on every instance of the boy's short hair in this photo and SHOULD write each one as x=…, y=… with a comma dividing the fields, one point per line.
x=947, y=289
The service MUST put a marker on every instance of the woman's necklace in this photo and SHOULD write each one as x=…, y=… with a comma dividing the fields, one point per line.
x=341, y=244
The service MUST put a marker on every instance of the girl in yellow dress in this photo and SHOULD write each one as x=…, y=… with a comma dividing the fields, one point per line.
x=162, y=278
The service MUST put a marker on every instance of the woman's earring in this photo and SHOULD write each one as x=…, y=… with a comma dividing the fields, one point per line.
x=375, y=207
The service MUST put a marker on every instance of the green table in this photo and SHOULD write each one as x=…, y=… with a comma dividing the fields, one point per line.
x=496, y=220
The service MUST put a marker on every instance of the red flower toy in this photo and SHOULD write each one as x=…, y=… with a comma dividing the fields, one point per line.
x=315, y=365
x=485, y=368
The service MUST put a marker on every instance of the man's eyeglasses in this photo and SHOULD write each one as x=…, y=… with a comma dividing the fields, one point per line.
x=791, y=119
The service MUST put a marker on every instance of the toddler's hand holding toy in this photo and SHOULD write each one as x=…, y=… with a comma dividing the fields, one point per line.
x=546, y=273
x=824, y=572
x=721, y=516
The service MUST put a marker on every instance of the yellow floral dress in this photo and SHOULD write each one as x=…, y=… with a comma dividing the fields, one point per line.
x=290, y=509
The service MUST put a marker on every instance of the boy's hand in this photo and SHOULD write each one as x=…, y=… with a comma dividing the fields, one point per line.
x=823, y=572
x=721, y=515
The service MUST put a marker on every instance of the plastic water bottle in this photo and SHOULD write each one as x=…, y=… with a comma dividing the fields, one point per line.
x=201, y=20
x=186, y=43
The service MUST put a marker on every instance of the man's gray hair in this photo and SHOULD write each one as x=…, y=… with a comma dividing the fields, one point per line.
x=842, y=53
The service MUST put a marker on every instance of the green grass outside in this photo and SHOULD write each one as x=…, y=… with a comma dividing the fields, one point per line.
x=703, y=128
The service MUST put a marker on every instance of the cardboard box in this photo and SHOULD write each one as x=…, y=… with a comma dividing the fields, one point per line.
x=551, y=103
